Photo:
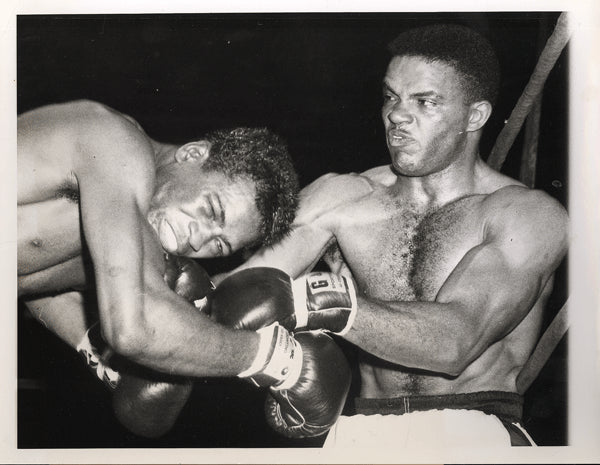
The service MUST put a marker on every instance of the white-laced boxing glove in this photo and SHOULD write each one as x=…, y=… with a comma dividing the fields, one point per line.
x=308, y=377
x=317, y=300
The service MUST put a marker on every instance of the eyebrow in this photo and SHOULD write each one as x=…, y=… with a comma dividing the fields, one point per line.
x=423, y=94
x=429, y=93
x=217, y=197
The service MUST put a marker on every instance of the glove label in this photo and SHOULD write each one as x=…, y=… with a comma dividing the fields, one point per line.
x=326, y=282
x=281, y=362
x=331, y=302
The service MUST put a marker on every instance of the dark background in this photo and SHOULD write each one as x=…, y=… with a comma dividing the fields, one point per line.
x=313, y=78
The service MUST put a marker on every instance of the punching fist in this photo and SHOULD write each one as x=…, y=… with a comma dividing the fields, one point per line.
x=313, y=403
x=148, y=403
x=309, y=376
x=260, y=296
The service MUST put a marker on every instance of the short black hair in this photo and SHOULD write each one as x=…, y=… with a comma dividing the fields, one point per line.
x=261, y=156
x=468, y=52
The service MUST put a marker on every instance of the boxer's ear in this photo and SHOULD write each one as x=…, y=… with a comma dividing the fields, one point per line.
x=197, y=151
x=479, y=113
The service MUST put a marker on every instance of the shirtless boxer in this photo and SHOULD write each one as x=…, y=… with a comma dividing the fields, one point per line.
x=97, y=198
x=453, y=260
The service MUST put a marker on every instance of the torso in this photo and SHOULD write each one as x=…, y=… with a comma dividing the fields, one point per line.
x=399, y=251
x=51, y=256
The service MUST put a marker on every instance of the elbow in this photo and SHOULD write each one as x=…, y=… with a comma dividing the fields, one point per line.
x=127, y=342
x=455, y=357
x=126, y=338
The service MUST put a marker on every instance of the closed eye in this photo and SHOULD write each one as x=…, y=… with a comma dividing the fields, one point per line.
x=219, y=245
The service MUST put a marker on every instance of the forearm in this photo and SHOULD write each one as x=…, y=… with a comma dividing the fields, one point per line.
x=63, y=314
x=421, y=335
x=172, y=336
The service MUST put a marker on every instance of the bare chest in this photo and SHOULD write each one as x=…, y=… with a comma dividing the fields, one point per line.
x=49, y=233
x=398, y=252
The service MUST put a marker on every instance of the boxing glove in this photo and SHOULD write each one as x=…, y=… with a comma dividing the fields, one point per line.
x=188, y=279
x=318, y=300
x=311, y=405
x=309, y=378
x=148, y=403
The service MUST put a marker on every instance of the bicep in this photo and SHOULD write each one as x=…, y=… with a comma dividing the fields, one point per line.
x=497, y=282
x=488, y=295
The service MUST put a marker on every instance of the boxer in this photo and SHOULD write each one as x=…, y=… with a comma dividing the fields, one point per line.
x=453, y=261
x=99, y=202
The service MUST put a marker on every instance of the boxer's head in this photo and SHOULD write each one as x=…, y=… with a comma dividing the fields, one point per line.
x=231, y=190
x=467, y=52
x=437, y=94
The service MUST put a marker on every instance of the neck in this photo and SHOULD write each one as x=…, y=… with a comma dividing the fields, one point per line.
x=436, y=189
x=164, y=154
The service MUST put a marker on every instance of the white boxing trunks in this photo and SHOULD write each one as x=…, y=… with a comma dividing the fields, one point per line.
x=425, y=422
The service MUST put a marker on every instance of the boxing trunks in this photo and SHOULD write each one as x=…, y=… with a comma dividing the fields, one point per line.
x=460, y=420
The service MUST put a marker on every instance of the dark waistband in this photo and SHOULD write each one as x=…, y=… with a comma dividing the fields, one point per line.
x=507, y=406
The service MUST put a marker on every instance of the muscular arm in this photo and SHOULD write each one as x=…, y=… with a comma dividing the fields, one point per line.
x=313, y=230
x=485, y=297
x=141, y=318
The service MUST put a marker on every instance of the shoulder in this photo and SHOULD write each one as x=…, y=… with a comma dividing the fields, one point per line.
x=102, y=120
x=102, y=135
x=86, y=117
x=529, y=219
x=381, y=175
x=330, y=192
x=518, y=201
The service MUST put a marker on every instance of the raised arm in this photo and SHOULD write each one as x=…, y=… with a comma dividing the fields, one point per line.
x=314, y=228
x=485, y=297
x=141, y=318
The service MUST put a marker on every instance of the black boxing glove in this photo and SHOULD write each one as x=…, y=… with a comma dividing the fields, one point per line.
x=188, y=279
x=311, y=405
x=146, y=402
x=260, y=296
x=309, y=376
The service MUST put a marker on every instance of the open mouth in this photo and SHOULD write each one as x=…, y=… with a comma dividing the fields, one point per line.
x=399, y=138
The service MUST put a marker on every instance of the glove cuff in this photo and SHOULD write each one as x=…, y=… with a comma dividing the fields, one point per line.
x=265, y=344
x=349, y=282
x=300, y=292
x=96, y=355
x=283, y=359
